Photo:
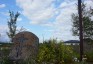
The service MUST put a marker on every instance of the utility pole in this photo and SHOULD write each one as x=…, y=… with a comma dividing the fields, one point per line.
x=81, y=28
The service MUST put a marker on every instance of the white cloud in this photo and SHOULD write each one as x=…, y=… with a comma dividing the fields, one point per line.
x=2, y=5
x=19, y=19
x=3, y=30
x=41, y=11
x=4, y=13
x=38, y=11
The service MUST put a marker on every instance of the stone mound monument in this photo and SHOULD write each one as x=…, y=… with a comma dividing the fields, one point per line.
x=25, y=46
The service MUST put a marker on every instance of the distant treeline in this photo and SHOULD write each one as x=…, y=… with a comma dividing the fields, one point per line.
x=5, y=44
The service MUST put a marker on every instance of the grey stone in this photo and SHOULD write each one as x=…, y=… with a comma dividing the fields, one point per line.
x=25, y=46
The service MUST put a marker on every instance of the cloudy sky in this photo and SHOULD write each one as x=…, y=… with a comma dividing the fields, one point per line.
x=45, y=18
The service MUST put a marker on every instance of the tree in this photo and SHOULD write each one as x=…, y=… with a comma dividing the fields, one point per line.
x=12, y=24
x=87, y=22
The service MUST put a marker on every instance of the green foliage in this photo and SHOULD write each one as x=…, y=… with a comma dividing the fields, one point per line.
x=5, y=52
x=89, y=56
x=12, y=24
x=50, y=52
x=54, y=52
x=87, y=22
x=5, y=60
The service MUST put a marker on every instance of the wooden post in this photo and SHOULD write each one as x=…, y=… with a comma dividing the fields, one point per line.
x=81, y=29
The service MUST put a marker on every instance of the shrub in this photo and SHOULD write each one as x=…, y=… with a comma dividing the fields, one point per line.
x=53, y=52
x=5, y=60
x=89, y=56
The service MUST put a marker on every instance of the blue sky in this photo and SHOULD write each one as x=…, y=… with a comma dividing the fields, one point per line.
x=45, y=18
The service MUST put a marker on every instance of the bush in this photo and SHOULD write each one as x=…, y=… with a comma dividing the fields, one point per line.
x=53, y=52
x=89, y=56
x=5, y=60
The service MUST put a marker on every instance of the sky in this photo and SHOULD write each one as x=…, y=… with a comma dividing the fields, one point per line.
x=47, y=19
